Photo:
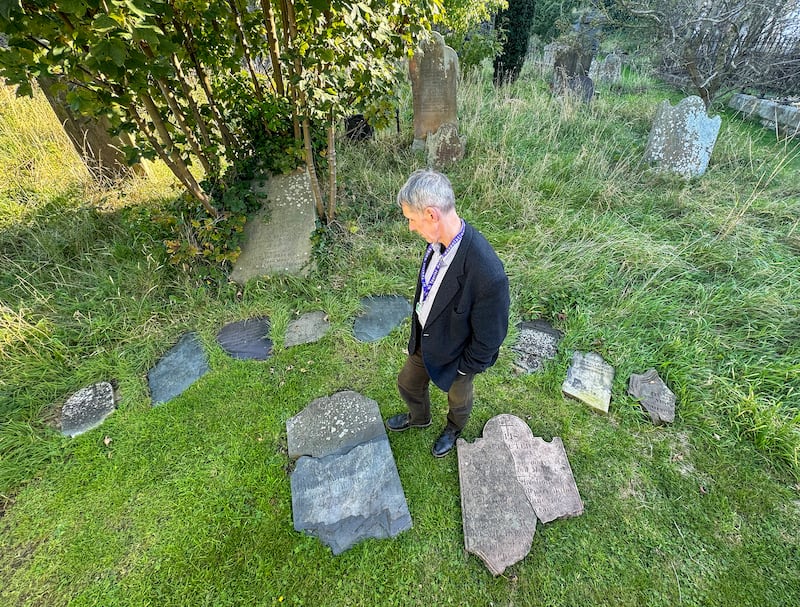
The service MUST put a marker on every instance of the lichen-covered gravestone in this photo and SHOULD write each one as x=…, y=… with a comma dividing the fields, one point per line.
x=178, y=369
x=537, y=341
x=278, y=239
x=589, y=380
x=508, y=479
x=87, y=409
x=654, y=395
x=434, y=81
x=309, y=328
x=445, y=146
x=246, y=339
x=381, y=314
x=345, y=486
x=608, y=70
x=682, y=137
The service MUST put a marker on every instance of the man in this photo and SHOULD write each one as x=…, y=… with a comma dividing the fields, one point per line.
x=460, y=309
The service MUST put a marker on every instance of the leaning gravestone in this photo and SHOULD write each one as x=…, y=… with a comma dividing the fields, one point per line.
x=381, y=314
x=278, y=238
x=589, y=380
x=246, y=339
x=178, y=369
x=309, y=328
x=345, y=486
x=509, y=478
x=682, y=137
x=87, y=409
x=654, y=395
x=608, y=70
x=434, y=80
x=537, y=342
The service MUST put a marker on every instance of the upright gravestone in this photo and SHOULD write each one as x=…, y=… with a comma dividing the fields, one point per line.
x=537, y=342
x=345, y=486
x=434, y=81
x=608, y=70
x=654, y=395
x=508, y=479
x=184, y=364
x=278, y=238
x=381, y=315
x=682, y=137
x=246, y=339
x=445, y=146
x=87, y=409
x=589, y=380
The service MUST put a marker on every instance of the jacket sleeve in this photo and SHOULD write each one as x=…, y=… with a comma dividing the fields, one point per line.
x=489, y=322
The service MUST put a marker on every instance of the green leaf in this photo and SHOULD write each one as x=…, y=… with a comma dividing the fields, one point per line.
x=6, y=6
x=104, y=23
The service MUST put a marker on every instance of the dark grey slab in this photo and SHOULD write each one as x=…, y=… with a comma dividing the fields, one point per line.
x=334, y=424
x=499, y=521
x=343, y=499
x=656, y=398
x=178, y=369
x=381, y=314
x=537, y=342
x=589, y=380
x=246, y=339
x=87, y=409
x=309, y=328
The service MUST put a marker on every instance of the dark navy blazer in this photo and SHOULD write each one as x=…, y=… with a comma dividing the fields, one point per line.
x=469, y=317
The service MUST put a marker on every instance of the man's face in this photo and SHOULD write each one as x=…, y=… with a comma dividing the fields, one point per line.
x=425, y=223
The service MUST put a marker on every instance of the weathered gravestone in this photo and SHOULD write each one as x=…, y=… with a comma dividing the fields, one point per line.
x=345, y=486
x=434, y=80
x=589, y=380
x=445, y=146
x=309, y=328
x=278, y=238
x=381, y=314
x=537, y=341
x=509, y=478
x=608, y=70
x=682, y=137
x=178, y=369
x=87, y=409
x=654, y=395
x=246, y=339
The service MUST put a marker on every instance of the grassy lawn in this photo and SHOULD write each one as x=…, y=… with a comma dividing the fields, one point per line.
x=188, y=503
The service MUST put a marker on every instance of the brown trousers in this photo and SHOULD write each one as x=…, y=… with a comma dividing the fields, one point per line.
x=414, y=383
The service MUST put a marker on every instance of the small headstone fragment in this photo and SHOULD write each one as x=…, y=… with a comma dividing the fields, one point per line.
x=589, y=380
x=87, y=409
x=445, y=146
x=246, y=339
x=654, y=395
x=309, y=328
x=381, y=315
x=178, y=369
x=537, y=341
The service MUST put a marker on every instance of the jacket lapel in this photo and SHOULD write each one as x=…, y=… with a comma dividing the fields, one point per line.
x=451, y=283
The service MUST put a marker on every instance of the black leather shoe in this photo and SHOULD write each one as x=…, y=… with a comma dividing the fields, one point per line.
x=446, y=441
x=401, y=422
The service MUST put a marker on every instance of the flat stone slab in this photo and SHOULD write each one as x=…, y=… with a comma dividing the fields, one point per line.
x=178, y=369
x=343, y=499
x=537, y=342
x=278, y=238
x=654, y=395
x=509, y=478
x=246, y=339
x=345, y=486
x=334, y=424
x=589, y=380
x=309, y=328
x=87, y=409
x=382, y=313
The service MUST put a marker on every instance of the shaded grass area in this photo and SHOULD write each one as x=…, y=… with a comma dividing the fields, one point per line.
x=188, y=503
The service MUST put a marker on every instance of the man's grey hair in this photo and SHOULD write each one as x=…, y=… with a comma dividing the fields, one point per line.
x=427, y=188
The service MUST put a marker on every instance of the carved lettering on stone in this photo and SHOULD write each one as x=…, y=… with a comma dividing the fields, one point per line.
x=656, y=398
x=589, y=380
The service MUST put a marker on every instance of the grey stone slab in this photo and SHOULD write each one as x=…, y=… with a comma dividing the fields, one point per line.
x=87, y=409
x=781, y=117
x=343, y=499
x=654, y=395
x=445, y=146
x=309, y=328
x=589, y=380
x=178, y=369
x=246, y=339
x=278, y=239
x=433, y=70
x=537, y=342
x=682, y=137
x=381, y=314
x=334, y=424
x=608, y=70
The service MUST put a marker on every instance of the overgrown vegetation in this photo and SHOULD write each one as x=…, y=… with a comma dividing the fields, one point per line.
x=188, y=503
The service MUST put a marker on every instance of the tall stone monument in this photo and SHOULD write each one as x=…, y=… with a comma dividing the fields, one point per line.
x=434, y=81
x=682, y=137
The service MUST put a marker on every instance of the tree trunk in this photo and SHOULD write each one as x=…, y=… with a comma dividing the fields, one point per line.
x=331, y=169
x=101, y=152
